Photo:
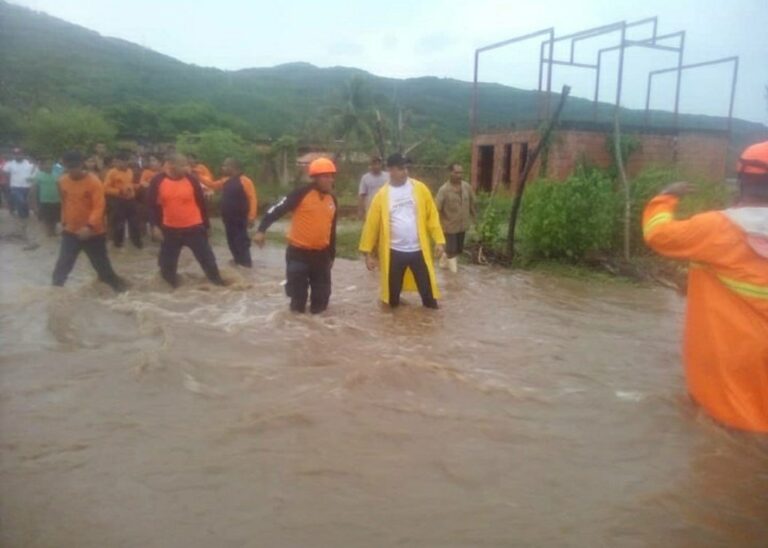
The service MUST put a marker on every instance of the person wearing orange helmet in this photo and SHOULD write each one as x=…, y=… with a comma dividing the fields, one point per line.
x=311, y=239
x=726, y=327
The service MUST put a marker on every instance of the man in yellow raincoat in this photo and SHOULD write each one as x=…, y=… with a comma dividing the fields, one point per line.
x=726, y=329
x=400, y=227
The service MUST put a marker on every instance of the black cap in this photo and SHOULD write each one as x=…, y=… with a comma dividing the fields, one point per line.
x=397, y=160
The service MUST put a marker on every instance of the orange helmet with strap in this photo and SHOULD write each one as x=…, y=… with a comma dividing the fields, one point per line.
x=321, y=166
x=754, y=160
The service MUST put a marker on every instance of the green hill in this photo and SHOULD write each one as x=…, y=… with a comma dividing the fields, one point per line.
x=46, y=62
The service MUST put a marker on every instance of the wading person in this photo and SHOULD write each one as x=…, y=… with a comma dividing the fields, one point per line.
x=179, y=218
x=47, y=199
x=458, y=209
x=400, y=228
x=726, y=326
x=238, y=209
x=120, y=188
x=311, y=240
x=20, y=172
x=82, y=221
x=370, y=183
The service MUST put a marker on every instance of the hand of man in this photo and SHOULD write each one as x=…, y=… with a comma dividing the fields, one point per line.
x=157, y=234
x=84, y=233
x=259, y=238
x=371, y=263
x=439, y=250
x=679, y=189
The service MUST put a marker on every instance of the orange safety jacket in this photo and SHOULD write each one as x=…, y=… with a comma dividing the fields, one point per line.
x=726, y=326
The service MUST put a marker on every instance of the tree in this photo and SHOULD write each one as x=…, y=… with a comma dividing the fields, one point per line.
x=10, y=126
x=213, y=146
x=139, y=121
x=51, y=133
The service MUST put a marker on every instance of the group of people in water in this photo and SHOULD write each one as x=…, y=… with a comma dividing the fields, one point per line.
x=167, y=201
x=726, y=337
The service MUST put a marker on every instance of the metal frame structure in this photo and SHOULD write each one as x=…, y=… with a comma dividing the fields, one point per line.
x=550, y=32
x=547, y=57
x=679, y=69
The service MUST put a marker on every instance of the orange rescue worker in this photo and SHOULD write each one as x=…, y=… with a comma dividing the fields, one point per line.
x=726, y=330
x=238, y=209
x=153, y=168
x=82, y=221
x=179, y=219
x=311, y=240
x=121, y=193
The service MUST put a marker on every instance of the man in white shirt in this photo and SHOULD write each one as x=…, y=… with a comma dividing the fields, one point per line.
x=20, y=172
x=413, y=221
x=370, y=183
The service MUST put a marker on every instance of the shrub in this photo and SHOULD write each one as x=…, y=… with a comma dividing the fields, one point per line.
x=567, y=220
x=492, y=218
x=213, y=146
x=51, y=133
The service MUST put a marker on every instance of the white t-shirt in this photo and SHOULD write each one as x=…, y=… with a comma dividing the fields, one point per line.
x=402, y=218
x=19, y=172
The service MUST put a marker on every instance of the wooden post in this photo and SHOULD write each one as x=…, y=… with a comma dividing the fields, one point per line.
x=513, y=214
x=624, y=183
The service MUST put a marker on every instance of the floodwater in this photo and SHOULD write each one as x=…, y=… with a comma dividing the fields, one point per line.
x=531, y=410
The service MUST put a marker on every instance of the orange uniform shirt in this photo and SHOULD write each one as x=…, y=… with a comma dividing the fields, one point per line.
x=313, y=221
x=82, y=203
x=202, y=172
x=726, y=326
x=313, y=226
x=178, y=203
x=119, y=184
x=147, y=175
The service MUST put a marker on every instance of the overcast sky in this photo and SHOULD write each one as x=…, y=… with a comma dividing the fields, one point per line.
x=406, y=38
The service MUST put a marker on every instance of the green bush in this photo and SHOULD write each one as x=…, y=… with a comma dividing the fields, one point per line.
x=567, y=220
x=51, y=133
x=213, y=146
x=492, y=219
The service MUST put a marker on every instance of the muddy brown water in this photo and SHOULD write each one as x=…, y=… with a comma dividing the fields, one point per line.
x=531, y=410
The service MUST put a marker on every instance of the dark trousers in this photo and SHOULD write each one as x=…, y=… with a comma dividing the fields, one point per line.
x=196, y=239
x=305, y=270
x=96, y=250
x=454, y=244
x=20, y=202
x=50, y=215
x=238, y=240
x=398, y=263
x=5, y=196
x=122, y=212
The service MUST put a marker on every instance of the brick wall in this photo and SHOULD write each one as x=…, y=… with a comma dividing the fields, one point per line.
x=694, y=153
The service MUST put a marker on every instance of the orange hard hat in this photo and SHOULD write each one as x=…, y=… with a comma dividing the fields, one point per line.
x=754, y=159
x=321, y=166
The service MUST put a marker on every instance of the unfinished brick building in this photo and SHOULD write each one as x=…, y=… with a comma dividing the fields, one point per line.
x=498, y=158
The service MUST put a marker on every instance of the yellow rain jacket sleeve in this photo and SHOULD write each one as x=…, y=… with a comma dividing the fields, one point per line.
x=376, y=235
x=726, y=326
